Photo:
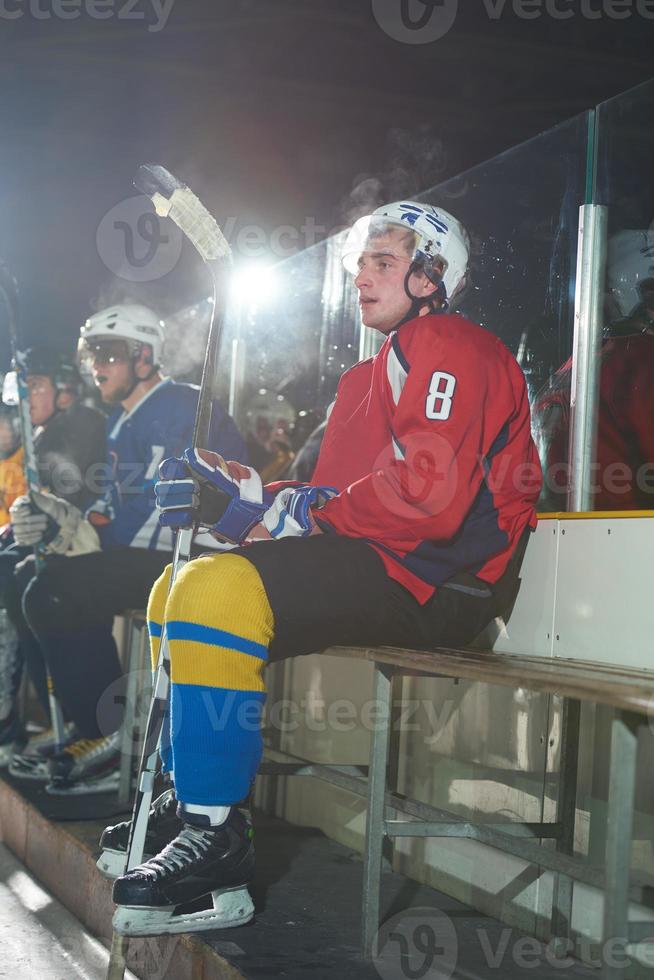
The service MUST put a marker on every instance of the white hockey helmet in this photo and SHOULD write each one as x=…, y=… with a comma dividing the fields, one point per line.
x=437, y=236
x=136, y=324
x=630, y=264
x=268, y=412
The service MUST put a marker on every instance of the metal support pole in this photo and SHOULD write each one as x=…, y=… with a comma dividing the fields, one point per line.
x=372, y=857
x=620, y=819
x=562, y=895
x=133, y=642
x=589, y=292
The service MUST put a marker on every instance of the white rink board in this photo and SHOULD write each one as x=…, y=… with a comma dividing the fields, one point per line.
x=604, y=601
x=529, y=631
x=598, y=586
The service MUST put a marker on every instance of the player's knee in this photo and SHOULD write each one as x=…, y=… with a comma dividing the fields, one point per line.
x=156, y=611
x=42, y=609
x=158, y=596
x=223, y=592
x=219, y=625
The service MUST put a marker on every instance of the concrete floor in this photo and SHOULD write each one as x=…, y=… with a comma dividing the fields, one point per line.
x=307, y=895
x=40, y=938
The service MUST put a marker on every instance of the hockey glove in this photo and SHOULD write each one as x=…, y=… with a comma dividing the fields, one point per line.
x=199, y=489
x=42, y=519
x=290, y=514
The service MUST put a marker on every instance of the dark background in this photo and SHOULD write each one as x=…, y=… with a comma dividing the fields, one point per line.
x=274, y=111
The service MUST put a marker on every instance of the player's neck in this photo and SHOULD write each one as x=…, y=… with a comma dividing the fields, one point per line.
x=140, y=391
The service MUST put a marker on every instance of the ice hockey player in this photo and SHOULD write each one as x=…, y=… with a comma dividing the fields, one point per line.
x=409, y=534
x=107, y=561
x=630, y=281
x=12, y=478
x=69, y=441
x=625, y=435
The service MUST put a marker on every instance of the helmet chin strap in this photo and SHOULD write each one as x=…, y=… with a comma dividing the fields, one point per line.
x=136, y=380
x=417, y=302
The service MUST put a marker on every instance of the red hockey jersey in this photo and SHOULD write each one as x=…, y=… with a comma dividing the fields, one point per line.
x=624, y=462
x=429, y=443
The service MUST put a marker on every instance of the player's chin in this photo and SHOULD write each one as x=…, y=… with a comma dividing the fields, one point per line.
x=109, y=396
x=368, y=317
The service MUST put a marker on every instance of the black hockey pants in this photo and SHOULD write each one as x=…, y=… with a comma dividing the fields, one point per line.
x=69, y=610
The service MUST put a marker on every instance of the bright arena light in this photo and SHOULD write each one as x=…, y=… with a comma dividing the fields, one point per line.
x=254, y=283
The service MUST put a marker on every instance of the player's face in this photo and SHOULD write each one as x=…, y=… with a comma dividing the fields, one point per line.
x=43, y=398
x=112, y=370
x=7, y=437
x=383, y=266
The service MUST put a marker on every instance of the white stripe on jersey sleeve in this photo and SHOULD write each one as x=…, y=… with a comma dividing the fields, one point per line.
x=395, y=373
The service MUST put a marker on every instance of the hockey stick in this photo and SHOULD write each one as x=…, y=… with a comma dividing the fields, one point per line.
x=173, y=199
x=9, y=292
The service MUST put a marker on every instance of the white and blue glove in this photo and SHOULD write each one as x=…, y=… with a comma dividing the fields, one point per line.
x=290, y=514
x=55, y=525
x=201, y=489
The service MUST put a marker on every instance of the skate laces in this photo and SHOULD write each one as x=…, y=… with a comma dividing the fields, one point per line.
x=192, y=843
x=82, y=746
x=163, y=803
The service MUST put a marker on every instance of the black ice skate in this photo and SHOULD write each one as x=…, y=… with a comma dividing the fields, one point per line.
x=33, y=762
x=163, y=825
x=213, y=863
x=88, y=765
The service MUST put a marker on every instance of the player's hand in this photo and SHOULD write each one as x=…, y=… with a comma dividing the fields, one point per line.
x=43, y=520
x=28, y=522
x=201, y=489
x=291, y=512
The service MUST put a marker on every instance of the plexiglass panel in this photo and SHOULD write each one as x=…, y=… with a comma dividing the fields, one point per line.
x=624, y=184
x=291, y=334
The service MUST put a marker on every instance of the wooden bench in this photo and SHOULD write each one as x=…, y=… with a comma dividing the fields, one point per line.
x=630, y=692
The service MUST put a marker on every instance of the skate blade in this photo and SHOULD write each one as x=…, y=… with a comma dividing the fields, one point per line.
x=113, y=864
x=36, y=770
x=231, y=908
x=107, y=784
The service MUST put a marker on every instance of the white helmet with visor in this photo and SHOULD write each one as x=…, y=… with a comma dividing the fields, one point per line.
x=630, y=267
x=434, y=237
x=130, y=323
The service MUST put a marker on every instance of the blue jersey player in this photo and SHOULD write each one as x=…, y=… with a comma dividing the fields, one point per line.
x=106, y=560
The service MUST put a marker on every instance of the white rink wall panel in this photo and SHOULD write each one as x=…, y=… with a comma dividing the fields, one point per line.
x=604, y=608
x=585, y=593
x=529, y=629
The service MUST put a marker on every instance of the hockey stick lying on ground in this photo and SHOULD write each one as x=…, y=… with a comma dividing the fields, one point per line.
x=173, y=199
x=9, y=293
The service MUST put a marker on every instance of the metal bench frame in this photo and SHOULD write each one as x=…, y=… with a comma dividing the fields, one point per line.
x=630, y=692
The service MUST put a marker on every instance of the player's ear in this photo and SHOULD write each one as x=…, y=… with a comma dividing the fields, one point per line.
x=421, y=285
x=144, y=361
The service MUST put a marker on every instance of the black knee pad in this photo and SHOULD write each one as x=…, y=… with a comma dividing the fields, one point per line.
x=43, y=608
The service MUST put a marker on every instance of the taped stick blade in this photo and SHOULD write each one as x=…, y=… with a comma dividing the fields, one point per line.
x=152, y=179
x=173, y=199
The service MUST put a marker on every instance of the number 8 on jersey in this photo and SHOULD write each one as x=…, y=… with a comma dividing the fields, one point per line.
x=439, y=398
